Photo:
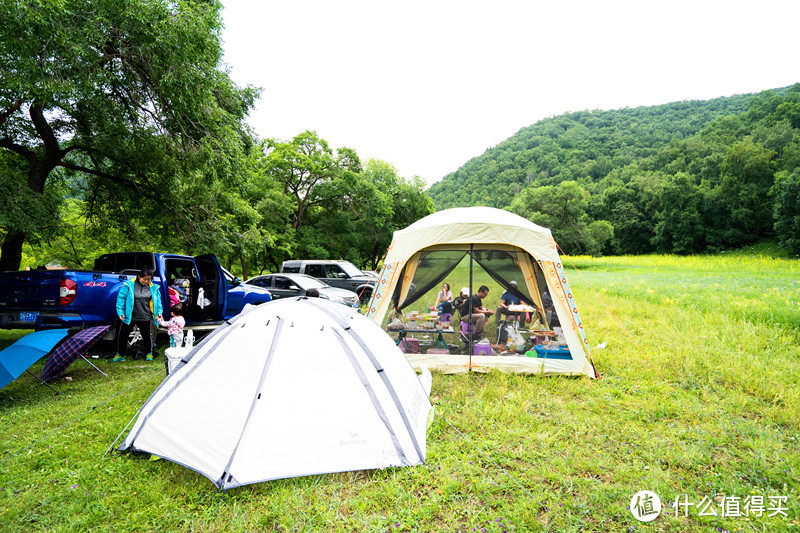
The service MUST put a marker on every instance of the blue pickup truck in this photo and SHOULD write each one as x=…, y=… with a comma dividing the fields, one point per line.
x=44, y=299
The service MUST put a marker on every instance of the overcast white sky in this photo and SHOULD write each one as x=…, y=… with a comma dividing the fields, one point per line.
x=428, y=85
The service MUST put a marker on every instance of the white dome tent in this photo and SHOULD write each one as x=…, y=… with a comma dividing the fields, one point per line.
x=289, y=388
x=508, y=247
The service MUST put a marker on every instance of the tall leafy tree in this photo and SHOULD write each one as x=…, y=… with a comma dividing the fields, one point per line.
x=563, y=209
x=388, y=203
x=747, y=177
x=314, y=178
x=786, y=192
x=679, y=228
x=125, y=98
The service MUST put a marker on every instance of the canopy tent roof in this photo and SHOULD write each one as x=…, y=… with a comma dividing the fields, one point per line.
x=473, y=225
x=502, y=243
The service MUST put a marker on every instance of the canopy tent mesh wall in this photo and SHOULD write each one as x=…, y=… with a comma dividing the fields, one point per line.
x=503, y=264
x=507, y=247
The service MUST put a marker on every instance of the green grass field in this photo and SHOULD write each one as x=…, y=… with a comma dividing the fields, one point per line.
x=698, y=401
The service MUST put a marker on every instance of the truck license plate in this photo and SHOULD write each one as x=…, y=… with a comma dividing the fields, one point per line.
x=28, y=316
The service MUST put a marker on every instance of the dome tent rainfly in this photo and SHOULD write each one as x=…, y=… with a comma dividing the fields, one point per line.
x=289, y=388
x=508, y=247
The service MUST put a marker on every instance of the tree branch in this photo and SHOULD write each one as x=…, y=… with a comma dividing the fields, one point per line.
x=25, y=152
x=43, y=128
x=11, y=110
x=128, y=183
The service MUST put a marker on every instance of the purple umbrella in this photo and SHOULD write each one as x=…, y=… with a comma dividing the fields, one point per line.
x=68, y=351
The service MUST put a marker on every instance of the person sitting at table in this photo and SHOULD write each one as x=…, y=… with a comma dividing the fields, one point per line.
x=461, y=299
x=507, y=300
x=444, y=301
x=480, y=314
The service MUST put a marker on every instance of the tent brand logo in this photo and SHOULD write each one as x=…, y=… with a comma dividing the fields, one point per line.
x=645, y=506
x=353, y=439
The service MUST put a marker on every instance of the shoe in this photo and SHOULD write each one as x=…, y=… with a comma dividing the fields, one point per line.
x=118, y=359
x=149, y=357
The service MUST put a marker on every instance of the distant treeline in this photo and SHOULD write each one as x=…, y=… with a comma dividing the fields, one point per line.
x=677, y=178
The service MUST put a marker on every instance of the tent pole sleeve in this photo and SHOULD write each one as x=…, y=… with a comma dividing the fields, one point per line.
x=256, y=395
x=376, y=365
x=374, y=399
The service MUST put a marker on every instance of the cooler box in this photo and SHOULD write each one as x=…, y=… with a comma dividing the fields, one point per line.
x=411, y=345
x=550, y=352
x=437, y=351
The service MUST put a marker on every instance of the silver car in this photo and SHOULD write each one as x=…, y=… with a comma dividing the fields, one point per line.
x=288, y=285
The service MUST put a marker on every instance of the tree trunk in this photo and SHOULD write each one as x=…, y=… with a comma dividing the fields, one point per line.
x=38, y=171
x=11, y=254
x=244, y=267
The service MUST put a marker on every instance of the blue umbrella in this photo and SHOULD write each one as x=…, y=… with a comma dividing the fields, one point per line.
x=18, y=357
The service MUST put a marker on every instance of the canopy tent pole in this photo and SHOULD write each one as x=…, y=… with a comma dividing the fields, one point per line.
x=469, y=301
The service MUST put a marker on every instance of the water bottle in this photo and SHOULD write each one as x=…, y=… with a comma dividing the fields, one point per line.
x=201, y=298
x=188, y=341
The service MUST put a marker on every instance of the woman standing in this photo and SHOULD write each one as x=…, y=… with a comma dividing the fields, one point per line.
x=138, y=303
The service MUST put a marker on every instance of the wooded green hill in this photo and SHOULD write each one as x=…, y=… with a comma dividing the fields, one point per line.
x=681, y=177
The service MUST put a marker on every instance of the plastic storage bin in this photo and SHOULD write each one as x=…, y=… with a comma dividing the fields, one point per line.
x=482, y=349
x=437, y=351
x=550, y=351
x=409, y=345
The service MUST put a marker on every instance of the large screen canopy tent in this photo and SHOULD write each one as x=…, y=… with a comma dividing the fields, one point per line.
x=507, y=247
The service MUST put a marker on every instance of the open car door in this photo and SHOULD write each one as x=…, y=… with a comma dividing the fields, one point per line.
x=212, y=281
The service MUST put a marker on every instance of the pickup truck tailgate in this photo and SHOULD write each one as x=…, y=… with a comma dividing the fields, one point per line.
x=33, y=289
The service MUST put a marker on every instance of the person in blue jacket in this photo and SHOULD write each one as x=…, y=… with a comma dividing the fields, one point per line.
x=138, y=304
x=506, y=300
